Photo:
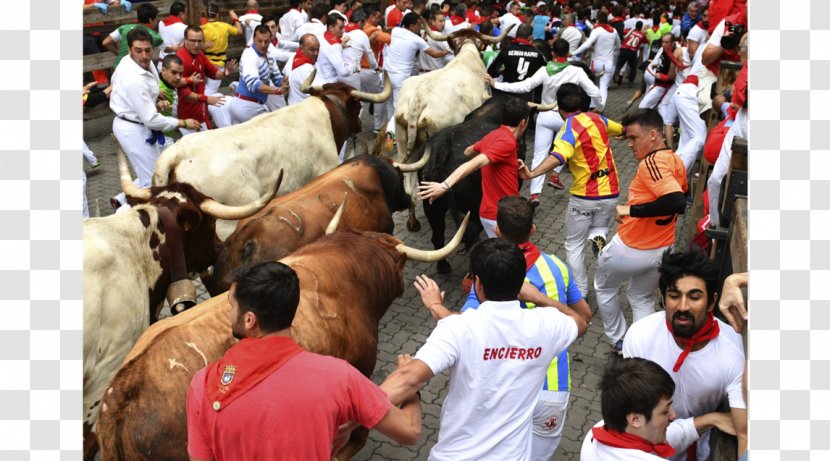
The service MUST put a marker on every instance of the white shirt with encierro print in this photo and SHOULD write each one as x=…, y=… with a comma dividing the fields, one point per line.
x=497, y=357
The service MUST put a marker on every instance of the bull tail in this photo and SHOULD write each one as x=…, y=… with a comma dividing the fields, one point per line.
x=411, y=134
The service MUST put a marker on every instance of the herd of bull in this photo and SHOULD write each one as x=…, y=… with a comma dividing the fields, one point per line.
x=213, y=209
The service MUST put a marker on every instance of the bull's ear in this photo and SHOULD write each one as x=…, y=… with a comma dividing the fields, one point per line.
x=188, y=218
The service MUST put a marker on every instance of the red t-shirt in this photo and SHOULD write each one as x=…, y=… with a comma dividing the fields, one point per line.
x=198, y=64
x=293, y=414
x=499, y=178
x=395, y=17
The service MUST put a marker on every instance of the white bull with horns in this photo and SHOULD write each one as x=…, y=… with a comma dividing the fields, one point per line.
x=239, y=163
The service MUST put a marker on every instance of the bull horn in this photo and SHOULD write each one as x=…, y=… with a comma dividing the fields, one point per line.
x=376, y=97
x=437, y=36
x=306, y=86
x=412, y=167
x=491, y=39
x=435, y=255
x=221, y=211
x=126, y=181
x=542, y=107
x=335, y=220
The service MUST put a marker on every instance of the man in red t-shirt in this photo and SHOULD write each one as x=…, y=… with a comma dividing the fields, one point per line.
x=192, y=99
x=267, y=398
x=496, y=156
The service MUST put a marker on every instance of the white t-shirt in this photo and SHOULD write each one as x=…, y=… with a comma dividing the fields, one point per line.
x=400, y=54
x=497, y=357
x=314, y=27
x=172, y=35
x=506, y=20
x=680, y=434
x=330, y=66
x=296, y=77
x=605, y=44
x=249, y=22
x=427, y=62
x=697, y=34
x=572, y=35
x=706, y=376
x=359, y=46
x=551, y=83
x=289, y=23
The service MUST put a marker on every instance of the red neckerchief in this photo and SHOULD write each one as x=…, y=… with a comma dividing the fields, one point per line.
x=275, y=41
x=300, y=59
x=531, y=253
x=709, y=330
x=560, y=59
x=245, y=365
x=522, y=41
x=521, y=18
x=616, y=439
x=456, y=20
x=297, y=10
x=331, y=38
x=606, y=27
x=170, y=20
x=673, y=58
x=351, y=26
x=616, y=20
x=252, y=11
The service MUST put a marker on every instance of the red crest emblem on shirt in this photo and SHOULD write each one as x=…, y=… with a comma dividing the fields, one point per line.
x=552, y=422
x=228, y=374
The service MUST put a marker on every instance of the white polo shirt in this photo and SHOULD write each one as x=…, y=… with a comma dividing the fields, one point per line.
x=506, y=20
x=289, y=22
x=172, y=35
x=680, y=434
x=497, y=357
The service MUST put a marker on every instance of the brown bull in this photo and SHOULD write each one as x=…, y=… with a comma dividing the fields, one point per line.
x=370, y=188
x=347, y=282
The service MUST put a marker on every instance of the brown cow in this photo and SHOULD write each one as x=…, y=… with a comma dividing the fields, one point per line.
x=347, y=282
x=370, y=187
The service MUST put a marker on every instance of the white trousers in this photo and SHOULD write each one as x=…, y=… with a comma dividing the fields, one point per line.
x=654, y=96
x=618, y=263
x=692, y=127
x=211, y=85
x=241, y=111
x=275, y=102
x=649, y=78
x=186, y=131
x=547, y=125
x=584, y=219
x=598, y=65
x=704, y=89
x=548, y=423
x=489, y=226
x=667, y=108
x=221, y=115
x=142, y=155
x=721, y=167
x=372, y=82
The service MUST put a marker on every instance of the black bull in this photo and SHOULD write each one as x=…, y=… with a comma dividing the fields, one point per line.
x=448, y=154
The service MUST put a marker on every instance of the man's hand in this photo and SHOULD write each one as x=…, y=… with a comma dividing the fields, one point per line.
x=732, y=304
x=163, y=105
x=196, y=79
x=88, y=87
x=343, y=434
x=488, y=79
x=722, y=421
x=432, y=190
x=524, y=171
x=622, y=210
x=230, y=67
x=216, y=100
x=232, y=14
x=192, y=124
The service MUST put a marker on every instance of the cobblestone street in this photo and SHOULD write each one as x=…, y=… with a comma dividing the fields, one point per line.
x=407, y=323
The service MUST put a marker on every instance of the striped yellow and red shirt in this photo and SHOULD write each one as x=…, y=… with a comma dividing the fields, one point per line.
x=582, y=143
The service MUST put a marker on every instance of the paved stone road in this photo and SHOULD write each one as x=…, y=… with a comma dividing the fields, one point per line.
x=407, y=324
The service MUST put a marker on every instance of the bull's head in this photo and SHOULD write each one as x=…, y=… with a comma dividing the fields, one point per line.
x=186, y=240
x=346, y=99
x=458, y=38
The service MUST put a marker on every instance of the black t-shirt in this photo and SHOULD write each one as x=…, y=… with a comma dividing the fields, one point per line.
x=516, y=62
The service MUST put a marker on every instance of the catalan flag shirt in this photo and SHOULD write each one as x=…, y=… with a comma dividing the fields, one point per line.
x=660, y=173
x=582, y=143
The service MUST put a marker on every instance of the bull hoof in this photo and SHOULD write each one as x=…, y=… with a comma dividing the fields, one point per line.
x=413, y=225
x=444, y=267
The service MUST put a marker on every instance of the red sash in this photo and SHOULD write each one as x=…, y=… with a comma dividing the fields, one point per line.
x=300, y=59
x=669, y=54
x=709, y=330
x=456, y=20
x=616, y=439
x=351, y=26
x=245, y=365
x=523, y=41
